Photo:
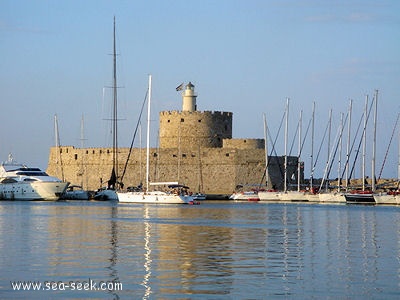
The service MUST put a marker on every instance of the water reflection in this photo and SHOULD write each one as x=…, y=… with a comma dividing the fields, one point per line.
x=209, y=251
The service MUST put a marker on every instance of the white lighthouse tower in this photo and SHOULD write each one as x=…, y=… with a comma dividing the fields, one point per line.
x=189, y=98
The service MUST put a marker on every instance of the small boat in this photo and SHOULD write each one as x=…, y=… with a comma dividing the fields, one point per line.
x=75, y=192
x=392, y=197
x=106, y=194
x=360, y=197
x=19, y=182
x=245, y=195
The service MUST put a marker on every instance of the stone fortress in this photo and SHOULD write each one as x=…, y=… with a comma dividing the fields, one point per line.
x=196, y=148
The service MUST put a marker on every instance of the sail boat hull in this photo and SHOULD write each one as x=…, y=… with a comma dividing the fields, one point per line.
x=360, y=198
x=156, y=197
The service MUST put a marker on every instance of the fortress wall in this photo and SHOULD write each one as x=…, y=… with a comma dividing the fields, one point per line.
x=194, y=129
x=209, y=170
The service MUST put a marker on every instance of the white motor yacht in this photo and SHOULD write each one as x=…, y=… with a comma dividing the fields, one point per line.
x=19, y=182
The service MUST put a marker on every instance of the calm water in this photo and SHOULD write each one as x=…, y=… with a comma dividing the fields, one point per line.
x=216, y=250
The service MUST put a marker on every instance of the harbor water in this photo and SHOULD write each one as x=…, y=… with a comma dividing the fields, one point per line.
x=216, y=250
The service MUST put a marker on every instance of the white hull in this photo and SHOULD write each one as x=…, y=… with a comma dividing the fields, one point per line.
x=37, y=190
x=387, y=199
x=293, y=196
x=269, y=195
x=154, y=198
x=334, y=197
x=246, y=196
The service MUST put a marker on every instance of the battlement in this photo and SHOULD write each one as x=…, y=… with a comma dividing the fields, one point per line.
x=193, y=129
x=243, y=143
x=196, y=112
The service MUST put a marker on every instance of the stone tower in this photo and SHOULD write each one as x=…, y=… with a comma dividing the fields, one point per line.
x=190, y=128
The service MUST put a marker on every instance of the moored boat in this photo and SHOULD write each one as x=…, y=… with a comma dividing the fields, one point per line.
x=360, y=197
x=269, y=195
x=19, y=182
x=387, y=198
x=75, y=192
x=245, y=195
x=175, y=194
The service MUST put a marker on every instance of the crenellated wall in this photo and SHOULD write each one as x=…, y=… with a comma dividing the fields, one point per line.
x=194, y=129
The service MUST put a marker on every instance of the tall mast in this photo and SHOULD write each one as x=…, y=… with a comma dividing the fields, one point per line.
x=340, y=153
x=398, y=162
x=266, y=150
x=286, y=141
x=364, y=142
x=348, y=146
x=148, y=136
x=57, y=140
x=374, y=141
x=312, y=146
x=115, y=109
x=299, y=154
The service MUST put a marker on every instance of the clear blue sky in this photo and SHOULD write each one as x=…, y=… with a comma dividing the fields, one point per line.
x=246, y=57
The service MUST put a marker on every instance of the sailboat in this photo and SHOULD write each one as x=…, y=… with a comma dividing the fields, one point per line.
x=365, y=196
x=108, y=193
x=393, y=196
x=173, y=193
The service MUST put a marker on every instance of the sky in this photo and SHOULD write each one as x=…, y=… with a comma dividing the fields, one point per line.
x=243, y=56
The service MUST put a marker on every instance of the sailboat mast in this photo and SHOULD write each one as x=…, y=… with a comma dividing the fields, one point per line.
x=266, y=149
x=57, y=137
x=374, y=141
x=286, y=141
x=312, y=146
x=115, y=108
x=398, y=161
x=348, y=146
x=148, y=137
x=364, y=142
x=340, y=153
x=299, y=154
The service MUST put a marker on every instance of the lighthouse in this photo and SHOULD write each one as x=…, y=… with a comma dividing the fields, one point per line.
x=189, y=98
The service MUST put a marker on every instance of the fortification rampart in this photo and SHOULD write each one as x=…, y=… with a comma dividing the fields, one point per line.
x=209, y=170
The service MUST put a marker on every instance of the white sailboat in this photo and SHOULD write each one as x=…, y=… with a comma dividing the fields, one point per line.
x=173, y=192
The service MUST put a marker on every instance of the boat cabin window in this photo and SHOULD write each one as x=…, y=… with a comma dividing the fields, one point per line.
x=28, y=173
